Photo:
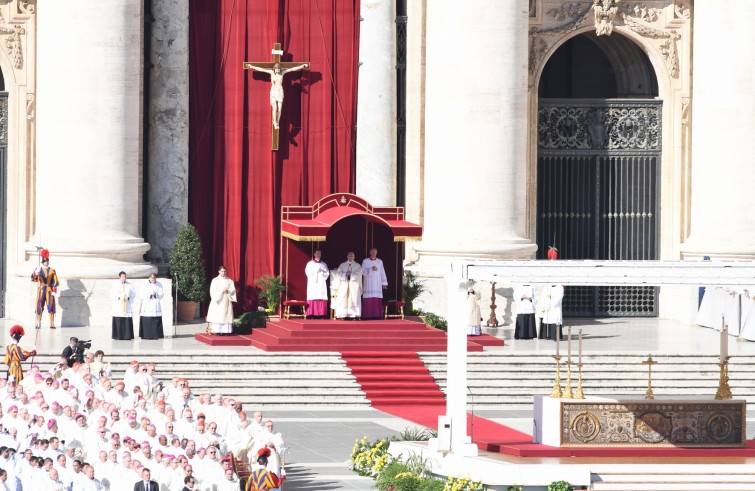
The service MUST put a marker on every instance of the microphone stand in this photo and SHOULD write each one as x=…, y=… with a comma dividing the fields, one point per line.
x=175, y=307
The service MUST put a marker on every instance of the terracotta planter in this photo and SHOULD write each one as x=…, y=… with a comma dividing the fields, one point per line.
x=186, y=310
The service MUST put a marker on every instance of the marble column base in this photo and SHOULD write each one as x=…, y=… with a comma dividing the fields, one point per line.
x=96, y=259
x=82, y=302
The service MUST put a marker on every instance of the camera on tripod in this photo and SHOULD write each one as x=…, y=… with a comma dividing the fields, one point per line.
x=81, y=347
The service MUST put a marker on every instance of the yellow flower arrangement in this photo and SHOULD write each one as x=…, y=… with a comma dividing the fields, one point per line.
x=368, y=459
x=463, y=484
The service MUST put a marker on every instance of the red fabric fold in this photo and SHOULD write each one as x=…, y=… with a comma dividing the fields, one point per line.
x=236, y=183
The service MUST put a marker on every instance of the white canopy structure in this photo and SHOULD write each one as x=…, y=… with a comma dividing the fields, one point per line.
x=452, y=435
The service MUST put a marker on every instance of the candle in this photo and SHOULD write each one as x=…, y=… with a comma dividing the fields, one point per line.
x=568, y=346
x=722, y=341
x=726, y=343
x=558, y=339
x=580, y=346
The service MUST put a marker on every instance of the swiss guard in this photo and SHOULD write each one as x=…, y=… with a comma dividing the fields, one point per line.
x=14, y=355
x=261, y=479
x=47, y=289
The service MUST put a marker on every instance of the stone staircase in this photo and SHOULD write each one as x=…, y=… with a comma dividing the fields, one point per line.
x=508, y=381
x=672, y=477
x=496, y=380
x=258, y=380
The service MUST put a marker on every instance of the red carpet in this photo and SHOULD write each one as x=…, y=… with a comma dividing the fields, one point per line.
x=393, y=378
x=339, y=335
x=494, y=437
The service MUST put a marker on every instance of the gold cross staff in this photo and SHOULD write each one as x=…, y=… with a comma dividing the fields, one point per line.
x=276, y=69
x=649, y=362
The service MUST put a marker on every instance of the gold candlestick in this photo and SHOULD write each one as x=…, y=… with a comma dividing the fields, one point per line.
x=649, y=362
x=567, y=390
x=579, y=394
x=724, y=392
x=556, y=393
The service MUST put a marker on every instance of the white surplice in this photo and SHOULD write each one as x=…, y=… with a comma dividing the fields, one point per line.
x=347, y=291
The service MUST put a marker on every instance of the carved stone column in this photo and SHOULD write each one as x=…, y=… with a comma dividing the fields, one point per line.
x=723, y=100
x=168, y=164
x=376, y=104
x=476, y=130
x=89, y=126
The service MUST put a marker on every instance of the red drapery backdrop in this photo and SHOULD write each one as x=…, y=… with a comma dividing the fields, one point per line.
x=236, y=183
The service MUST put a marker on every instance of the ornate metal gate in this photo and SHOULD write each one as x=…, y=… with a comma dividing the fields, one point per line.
x=598, y=173
x=3, y=187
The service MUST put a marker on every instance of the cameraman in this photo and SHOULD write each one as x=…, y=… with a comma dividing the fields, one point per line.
x=70, y=352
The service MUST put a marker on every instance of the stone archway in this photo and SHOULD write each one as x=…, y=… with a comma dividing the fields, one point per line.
x=598, y=165
x=643, y=55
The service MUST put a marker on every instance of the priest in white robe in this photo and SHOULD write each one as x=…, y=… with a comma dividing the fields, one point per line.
x=525, y=298
x=222, y=296
x=550, y=302
x=474, y=323
x=347, y=294
x=317, y=286
x=150, y=311
x=374, y=282
x=123, y=295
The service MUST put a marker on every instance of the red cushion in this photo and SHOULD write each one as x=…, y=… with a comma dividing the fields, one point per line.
x=395, y=303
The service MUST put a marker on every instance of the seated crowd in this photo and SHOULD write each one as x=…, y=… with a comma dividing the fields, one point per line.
x=79, y=428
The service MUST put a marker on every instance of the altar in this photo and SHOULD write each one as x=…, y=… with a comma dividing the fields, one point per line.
x=633, y=421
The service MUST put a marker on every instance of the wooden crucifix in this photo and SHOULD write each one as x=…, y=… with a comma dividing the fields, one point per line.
x=276, y=69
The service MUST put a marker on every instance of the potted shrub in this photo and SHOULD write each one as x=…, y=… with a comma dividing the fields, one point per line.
x=186, y=267
x=271, y=288
x=412, y=288
x=249, y=320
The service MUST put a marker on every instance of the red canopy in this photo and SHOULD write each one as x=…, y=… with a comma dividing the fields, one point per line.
x=311, y=223
x=337, y=224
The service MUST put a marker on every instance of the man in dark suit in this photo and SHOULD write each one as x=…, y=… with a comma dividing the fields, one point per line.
x=146, y=484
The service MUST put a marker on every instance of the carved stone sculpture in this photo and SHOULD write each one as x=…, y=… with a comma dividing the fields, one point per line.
x=605, y=11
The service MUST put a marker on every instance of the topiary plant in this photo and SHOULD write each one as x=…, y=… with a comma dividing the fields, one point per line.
x=186, y=265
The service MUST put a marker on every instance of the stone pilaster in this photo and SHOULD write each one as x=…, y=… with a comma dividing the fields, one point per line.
x=723, y=103
x=89, y=125
x=168, y=161
x=376, y=103
x=476, y=125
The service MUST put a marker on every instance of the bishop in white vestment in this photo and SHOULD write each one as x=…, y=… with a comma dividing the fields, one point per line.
x=374, y=281
x=347, y=294
x=317, y=286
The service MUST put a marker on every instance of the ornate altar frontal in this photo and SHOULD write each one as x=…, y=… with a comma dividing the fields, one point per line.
x=634, y=422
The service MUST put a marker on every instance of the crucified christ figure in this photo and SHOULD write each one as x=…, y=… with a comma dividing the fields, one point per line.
x=276, y=85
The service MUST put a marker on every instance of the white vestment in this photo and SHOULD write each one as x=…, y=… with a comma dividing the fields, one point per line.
x=525, y=298
x=550, y=302
x=317, y=278
x=346, y=289
x=474, y=323
x=373, y=279
x=220, y=312
x=122, y=295
x=151, y=294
